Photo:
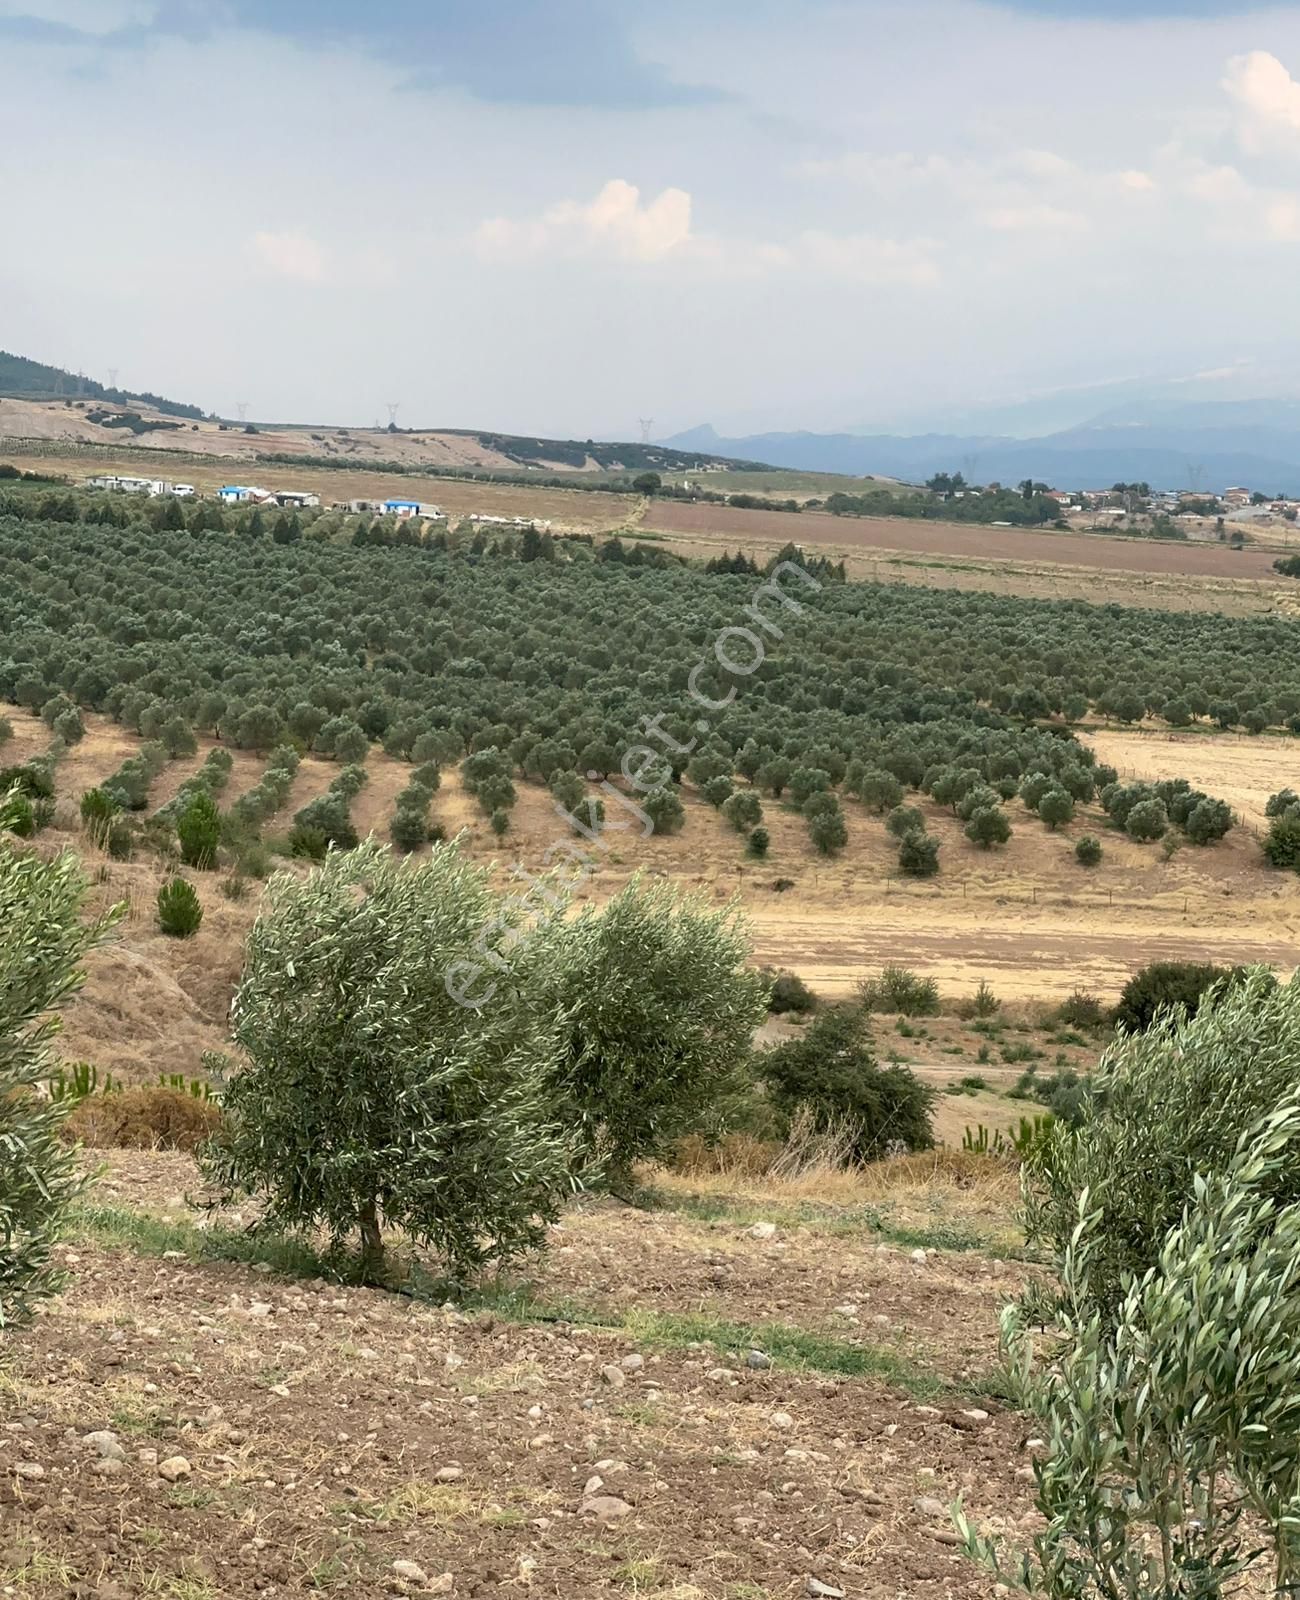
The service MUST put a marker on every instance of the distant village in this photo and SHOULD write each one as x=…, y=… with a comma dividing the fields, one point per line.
x=236, y=494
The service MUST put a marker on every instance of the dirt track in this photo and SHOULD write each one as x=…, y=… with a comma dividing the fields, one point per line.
x=956, y=539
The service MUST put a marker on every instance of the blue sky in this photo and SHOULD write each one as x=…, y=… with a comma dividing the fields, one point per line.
x=561, y=217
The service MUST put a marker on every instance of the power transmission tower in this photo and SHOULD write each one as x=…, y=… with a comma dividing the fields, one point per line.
x=394, y=406
x=647, y=426
x=112, y=377
x=241, y=406
x=1195, y=475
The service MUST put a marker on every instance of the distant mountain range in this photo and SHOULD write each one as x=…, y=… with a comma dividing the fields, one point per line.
x=1208, y=445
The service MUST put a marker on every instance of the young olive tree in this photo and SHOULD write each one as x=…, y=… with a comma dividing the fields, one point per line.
x=662, y=1010
x=43, y=940
x=1165, y=1106
x=380, y=1088
x=1171, y=1419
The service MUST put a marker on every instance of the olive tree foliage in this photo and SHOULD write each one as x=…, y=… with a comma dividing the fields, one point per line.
x=661, y=1009
x=1164, y=1107
x=372, y=1098
x=1172, y=1415
x=43, y=941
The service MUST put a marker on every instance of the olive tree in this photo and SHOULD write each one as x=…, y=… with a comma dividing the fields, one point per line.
x=381, y=1088
x=43, y=940
x=661, y=1012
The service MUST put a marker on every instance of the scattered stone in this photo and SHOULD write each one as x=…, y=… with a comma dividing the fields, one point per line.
x=928, y=1506
x=448, y=1475
x=27, y=1469
x=946, y=1536
x=593, y=1486
x=174, y=1469
x=410, y=1572
x=928, y=1411
x=976, y=1415
x=782, y=1420
x=104, y=1443
x=763, y=1230
x=823, y=1591
x=632, y=1363
x=107, y=1467
x=756, y=1361
x=444, y=1583
x=605, y=1508
x=614, y=1376
x=918, y=1256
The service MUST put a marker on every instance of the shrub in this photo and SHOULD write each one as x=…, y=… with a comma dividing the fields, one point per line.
x=988, y=826
x=308, y=843
x=1281, y=845
x=199, y=831
x=1056, y=807
x=743, y=810
x=409, y=830
x=1147, y=820
x=1208, y=821
x=1087, y=851
x=758, y=843
x=1167, y=1107
x=499, y=822
x=43, y=940
x=18, y=817
x=386, y=1082
x=661, y=1010
x=831, y=1075
x=828, y=831
x=878, y=789
x=1164, y=984
x=983, y=1003
x=903, y=820
x=1082, y=1010
x=665, y=810
x=146, y=1117
x=918, y=855
x=179, y=910
x=789, y=993
x=898, y=989
x=717, y=790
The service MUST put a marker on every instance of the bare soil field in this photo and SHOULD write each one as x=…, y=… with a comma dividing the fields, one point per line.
x=968, y=539
x=185, y=1427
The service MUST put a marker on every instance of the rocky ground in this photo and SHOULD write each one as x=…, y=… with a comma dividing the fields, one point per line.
x=663, y=1406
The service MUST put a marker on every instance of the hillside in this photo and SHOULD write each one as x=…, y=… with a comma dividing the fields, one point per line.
x=21, y=378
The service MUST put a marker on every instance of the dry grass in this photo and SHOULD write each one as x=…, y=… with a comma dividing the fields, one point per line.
x=143, y=1117
x=952, y=1184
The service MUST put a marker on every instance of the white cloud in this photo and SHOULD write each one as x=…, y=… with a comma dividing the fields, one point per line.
x=857, y=257
x=1139, y=182
x=1282, y=220
x=1267, y=98
x=289, y=255
x=615, y=222
x=1034, y=218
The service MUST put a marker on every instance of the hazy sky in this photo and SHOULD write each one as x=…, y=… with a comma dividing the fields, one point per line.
x=559, y=216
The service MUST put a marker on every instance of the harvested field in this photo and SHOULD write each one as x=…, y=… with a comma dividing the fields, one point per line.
x=978, y=541
x=1240, y=769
